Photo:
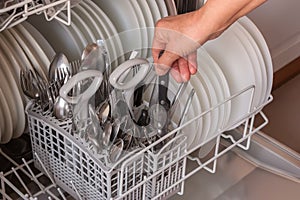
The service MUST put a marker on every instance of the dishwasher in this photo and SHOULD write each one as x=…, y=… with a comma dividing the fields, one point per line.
x=212, y=147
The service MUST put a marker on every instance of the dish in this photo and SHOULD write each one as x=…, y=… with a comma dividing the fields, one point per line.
x=14, y=63
x=142, y=27
x=47, y=48
x=34, y=50
x=6, y=127
x=17, y=49
x=111, y=50
x=28, y=50
x=219, y=83
x=10, y=111
x=171, y=7
x=205, y=120
x=62, y=40
x=222, y=82
x=16, y=102
x=154, y=10
x=212, y=96
x=125, y=20
x=113, y=36
x=90, y=22
x=162, y=8
x=76, y=33
x=238, y=70
x=261, y=64
x=259, y=82
x=83, y=27
x=195, y=109
x=264, y=50
x=149, y=23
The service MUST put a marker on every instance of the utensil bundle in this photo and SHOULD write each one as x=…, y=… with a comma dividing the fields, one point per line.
x=123, y=119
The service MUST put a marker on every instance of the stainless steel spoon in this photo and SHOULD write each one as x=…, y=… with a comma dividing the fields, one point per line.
x=116, y=150
x=62, y=109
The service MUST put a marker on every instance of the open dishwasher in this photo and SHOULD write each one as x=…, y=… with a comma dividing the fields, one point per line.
x=243, y=161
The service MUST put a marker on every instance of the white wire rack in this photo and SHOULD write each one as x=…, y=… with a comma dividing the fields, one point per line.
x=141, y=174
x=41, y=185
x=13, y=12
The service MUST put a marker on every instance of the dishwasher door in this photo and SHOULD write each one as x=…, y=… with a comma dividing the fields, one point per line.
x=268, y=170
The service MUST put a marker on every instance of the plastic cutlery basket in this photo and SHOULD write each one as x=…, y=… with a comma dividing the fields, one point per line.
x=78, y=171
x=74, y=168
x=168, y=169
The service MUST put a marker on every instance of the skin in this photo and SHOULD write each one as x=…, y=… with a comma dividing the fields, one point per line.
x=180, y=36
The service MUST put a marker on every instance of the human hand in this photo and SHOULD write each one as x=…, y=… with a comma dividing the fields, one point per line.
x=172, y=35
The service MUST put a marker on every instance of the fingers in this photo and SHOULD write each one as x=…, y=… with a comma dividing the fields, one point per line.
x=164, y=63
x=192, y=63
x=184, y=69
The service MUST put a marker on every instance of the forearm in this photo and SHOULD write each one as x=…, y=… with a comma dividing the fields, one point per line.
x=216, y=15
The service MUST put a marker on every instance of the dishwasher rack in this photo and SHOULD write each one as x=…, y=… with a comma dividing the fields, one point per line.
x=14, y=12
x=141, y=174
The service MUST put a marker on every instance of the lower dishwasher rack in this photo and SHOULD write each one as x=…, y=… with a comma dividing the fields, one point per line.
x=156, y=176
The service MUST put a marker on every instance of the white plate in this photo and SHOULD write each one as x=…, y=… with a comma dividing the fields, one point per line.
x=6, y=121
x=154, y=10
x=62, y=40
x=171, y=7
x=28, y=50
x=149, y=23
x=264, y=50
x=219, y=82
x=17, y=50
x=262, y=67
x=47, y=48
x=259, y=82
x=113, y=36
x=104, y=31
x=15, y=63
x=90, y=22
x=236, y=65
x=142, y=26
x=222, y=81
x=205, y=120
x=76, y=33
x=125, y=20
x=162, y=8
x=212, y=96
x=83, y=27
x=11, y=111
x=34, y=50
x=17, y=112
x=191, y=130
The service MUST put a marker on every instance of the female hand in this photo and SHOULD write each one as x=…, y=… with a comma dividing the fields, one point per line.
x=180, y=36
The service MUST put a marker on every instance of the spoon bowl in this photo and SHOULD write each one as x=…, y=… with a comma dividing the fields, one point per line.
x=62, y=109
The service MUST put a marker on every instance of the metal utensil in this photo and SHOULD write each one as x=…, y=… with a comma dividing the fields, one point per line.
x=88, y=49
x=59, y=68
x=28, y=85
x=62, y=109
x=116, y=150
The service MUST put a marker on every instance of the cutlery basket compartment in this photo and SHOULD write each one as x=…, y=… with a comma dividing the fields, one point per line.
x=74, y=168
x=141, y=174
x=168, y=167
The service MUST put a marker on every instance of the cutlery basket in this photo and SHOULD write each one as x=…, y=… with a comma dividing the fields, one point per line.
x=168, y=168
x=141, y=174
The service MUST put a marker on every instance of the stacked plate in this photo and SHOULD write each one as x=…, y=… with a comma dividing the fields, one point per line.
x=244, y=58
x=20, y=47
x=33, y=44
x=237, y=60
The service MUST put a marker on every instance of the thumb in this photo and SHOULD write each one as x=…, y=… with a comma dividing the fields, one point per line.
x=165, y=62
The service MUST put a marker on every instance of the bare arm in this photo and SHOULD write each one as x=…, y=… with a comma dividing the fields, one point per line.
x=180, y=36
